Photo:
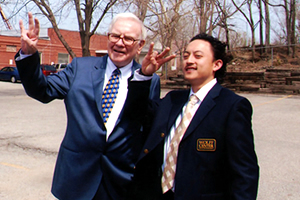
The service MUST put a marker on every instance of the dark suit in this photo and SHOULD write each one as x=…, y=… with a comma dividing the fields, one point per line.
x=86, y=160
x=216, y=158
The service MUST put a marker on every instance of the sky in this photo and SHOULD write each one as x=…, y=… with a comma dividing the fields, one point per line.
x=70, y=22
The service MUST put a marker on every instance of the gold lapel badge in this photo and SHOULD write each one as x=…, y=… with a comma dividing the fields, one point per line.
x=206, y=144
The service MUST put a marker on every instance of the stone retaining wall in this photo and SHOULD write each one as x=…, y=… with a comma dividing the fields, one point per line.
x=284, y=81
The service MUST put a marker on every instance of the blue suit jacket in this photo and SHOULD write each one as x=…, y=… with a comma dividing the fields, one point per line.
x=216, y=158
x=85, y=158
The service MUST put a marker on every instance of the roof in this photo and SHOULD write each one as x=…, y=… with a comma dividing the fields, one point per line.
x=16, y=33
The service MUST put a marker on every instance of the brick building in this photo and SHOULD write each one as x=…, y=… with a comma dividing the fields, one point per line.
x=51, y=49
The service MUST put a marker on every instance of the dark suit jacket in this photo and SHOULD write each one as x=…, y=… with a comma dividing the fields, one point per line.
x=216, y=158
x=85, y=158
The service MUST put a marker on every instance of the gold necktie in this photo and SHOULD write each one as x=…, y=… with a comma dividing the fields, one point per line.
x=171, y=160
x=110, y=94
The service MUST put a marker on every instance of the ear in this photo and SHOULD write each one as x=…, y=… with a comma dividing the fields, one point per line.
x=217, y=65
x=141, y=45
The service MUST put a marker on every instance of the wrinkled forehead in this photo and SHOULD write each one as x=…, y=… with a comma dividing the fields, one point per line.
x=127, y=26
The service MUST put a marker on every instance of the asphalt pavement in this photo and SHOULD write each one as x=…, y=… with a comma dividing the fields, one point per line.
x=31, y=132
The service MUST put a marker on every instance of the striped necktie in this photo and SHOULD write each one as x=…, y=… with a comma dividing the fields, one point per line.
x=171, y=160
x=110, y=93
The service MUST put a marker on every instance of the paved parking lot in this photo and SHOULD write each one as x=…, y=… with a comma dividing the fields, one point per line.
x=31, y=132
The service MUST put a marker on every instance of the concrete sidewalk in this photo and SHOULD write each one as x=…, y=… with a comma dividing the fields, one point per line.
x=31, y=132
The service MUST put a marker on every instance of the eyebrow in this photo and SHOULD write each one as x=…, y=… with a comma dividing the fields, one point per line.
x=197, y=51
x=125, y=35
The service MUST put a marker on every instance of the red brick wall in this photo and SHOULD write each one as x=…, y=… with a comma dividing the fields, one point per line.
x=50, y=47
x=8, y=55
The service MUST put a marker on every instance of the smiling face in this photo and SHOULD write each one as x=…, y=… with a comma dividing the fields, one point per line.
x=122, y=54
x=199, y=65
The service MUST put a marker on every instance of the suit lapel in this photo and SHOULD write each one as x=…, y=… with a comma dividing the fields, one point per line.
x=165, y=120
x=203, y=110
x=177, y=105
x=98, y=80
x=135, y=66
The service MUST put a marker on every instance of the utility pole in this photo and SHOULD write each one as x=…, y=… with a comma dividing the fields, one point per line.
x=8, y=26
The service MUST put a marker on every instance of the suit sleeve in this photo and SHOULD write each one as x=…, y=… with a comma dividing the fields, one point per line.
x=244, y=170
x=40, y=87
x=155, y=88
x=137, y=99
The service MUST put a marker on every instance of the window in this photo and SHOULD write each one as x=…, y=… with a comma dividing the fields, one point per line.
x=11, y=48
x=63, y=58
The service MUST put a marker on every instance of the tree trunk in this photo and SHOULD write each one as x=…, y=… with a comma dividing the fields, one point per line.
x=293, y=27
x=261, y=28
x=267, y=21
x=45, y=9
x=288, y=27
x=203, y=18
x=227, y=36
x=253, y=44
x=212, y=8
x=141, y=14
x=85, y=43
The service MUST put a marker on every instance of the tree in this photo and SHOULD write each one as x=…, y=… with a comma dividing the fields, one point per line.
x=261, y=21
x=163, y=20
x=267, y=24
x=205, y=11
x=140, y=12
x=249, y=20
x=290, y=10
x=293, y=26
x=84, y=12
x=225, y=14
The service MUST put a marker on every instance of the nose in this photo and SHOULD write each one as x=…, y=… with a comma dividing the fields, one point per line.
x=120, y=41
x=189, y=59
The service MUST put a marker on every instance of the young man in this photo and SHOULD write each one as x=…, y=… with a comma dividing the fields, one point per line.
x=97, y=155
x=205, y=151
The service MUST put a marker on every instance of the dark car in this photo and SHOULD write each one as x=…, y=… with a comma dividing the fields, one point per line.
x=10, y=74
x=48, y=69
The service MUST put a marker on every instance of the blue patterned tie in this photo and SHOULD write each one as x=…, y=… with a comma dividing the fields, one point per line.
x=109, y=94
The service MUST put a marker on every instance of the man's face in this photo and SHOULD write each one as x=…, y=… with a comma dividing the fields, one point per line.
x=199, y=66
x=122, y=54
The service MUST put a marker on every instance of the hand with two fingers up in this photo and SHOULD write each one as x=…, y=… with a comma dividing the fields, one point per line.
x=153, y=60
x=29, y=37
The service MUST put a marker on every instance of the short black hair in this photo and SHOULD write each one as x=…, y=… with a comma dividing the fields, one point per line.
x=219, y=51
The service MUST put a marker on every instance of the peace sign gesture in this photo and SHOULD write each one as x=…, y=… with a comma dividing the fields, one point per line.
x=29, y=38
x=153, y=61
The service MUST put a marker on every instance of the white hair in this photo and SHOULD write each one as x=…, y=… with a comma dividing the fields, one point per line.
x=129, y=16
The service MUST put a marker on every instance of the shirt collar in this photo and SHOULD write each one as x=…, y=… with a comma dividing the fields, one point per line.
x=125, y=71
x=201, y=94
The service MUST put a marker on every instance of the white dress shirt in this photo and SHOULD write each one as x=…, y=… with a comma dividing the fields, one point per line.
x=122, y=93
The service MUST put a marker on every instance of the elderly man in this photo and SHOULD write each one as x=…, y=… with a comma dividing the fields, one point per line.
x=97, y=156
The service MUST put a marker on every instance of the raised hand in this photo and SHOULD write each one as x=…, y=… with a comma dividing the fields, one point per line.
x=29, y=38
x=153, y=61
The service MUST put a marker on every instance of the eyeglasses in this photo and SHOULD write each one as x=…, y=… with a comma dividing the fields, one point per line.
x=127, y=40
